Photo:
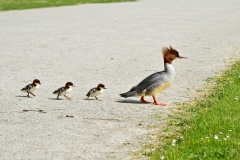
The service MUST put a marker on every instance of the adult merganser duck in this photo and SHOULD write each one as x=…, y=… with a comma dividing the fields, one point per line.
x=30, y=88
x=64, y=90
x=157, y=82
x=94, y=92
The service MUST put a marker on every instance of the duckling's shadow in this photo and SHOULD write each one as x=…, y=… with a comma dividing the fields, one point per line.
x=129, y=101
x=92, y=99
x=55, y=99
x=23, y=96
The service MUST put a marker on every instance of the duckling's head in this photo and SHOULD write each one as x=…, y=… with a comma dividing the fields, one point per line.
x=36, y=81
x=69, y=84
x=101, y=86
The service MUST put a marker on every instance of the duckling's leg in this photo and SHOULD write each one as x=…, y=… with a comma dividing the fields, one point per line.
x=143, y=100
x=157, y=103
x=67, y=97
x=28, y=94
x=32, y=94
x=96, y=97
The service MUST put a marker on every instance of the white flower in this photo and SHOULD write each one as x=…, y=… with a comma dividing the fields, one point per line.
x=162, y=157
x=230, y=130
x=220, y=132
x=207, y=137
x=236, y=98
x=225, y=139
x=227, y=136
x=174, y=141
x=215, y=137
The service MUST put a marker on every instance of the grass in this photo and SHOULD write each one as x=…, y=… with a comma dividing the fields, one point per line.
x=27, y=4
x=208, y=129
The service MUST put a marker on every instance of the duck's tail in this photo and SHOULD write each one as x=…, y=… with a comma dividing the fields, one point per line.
x=128, y=94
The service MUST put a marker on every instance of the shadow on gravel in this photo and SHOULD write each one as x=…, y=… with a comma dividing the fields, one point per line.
x=23, y=96
x=55, y=99
x=89, y=99
x=129, y=101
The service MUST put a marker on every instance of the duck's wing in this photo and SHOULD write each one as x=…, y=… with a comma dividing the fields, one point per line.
x=149, y=82
x=152, y=80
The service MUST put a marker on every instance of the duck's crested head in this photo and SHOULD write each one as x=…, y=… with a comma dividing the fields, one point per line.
x=169, y=54
x=69, y=84
x=36, y=81
x=101, y=86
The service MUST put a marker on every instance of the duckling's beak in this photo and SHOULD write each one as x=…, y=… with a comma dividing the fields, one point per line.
x=40, y=83
x=104, y=88
x=182, y=57
x=73, y=86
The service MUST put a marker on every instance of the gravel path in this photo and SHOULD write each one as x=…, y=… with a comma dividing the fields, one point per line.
x=116, y=44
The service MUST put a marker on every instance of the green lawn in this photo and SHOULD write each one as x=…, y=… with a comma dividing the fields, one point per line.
x=27, y=4
x=208, y=129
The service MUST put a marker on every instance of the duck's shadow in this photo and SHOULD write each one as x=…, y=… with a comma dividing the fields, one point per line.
x=129, y=101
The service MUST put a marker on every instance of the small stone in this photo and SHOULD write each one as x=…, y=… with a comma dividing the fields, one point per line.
x=70, y=116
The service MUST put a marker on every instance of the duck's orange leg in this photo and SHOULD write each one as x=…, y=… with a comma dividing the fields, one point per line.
x=143, y=100
x=157, y=103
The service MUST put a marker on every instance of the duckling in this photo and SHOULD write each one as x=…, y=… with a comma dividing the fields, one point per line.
x=30, y=88
x=64, y=90
x=94, y=92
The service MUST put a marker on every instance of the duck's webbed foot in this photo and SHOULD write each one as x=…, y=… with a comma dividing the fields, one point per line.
x=158, y=103
x=143, y=100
